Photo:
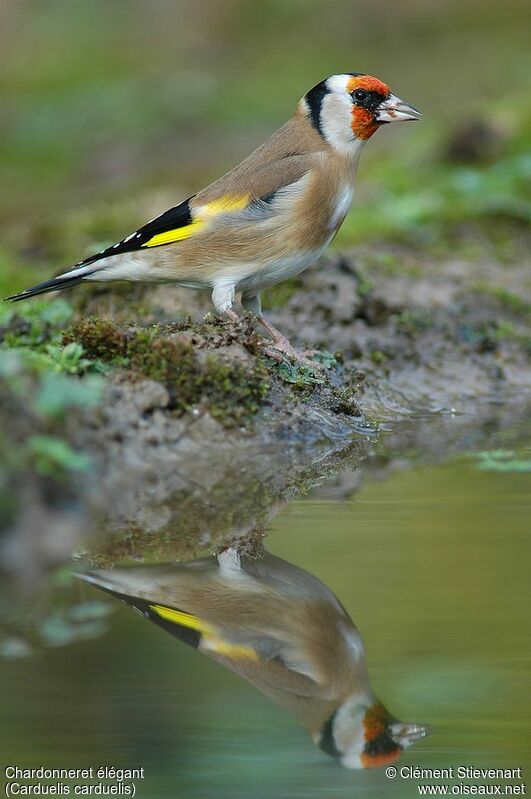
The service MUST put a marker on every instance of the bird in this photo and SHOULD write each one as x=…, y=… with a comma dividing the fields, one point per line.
x=265, y=220
x=280, y=628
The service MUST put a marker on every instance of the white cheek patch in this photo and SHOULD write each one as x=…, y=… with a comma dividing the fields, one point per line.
x=336, y=113
x=336, y=126
x=349, y=733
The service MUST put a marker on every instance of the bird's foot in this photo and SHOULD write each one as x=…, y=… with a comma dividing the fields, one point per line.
x=281, y=350
x=282, y=354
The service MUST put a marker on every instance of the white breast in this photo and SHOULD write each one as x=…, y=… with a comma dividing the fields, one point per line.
x=281, y=269
x=342, y=207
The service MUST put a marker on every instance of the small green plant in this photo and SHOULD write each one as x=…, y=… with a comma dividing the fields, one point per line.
x=507, y=299
x=328, y=359
x=413, y=321
x=485, y=336
x=501, y=460
x=34, y=325
x=299, y=375
x=53, y=456
x=64, y=626
x=378, y=357
x=48, y=394
x=364, y=286
x=69, y=359
x=34, y=406
x=35, y=332
x=56, y=393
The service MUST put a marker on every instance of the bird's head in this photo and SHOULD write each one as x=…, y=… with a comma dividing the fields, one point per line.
x=347, y=109
x=365, y=735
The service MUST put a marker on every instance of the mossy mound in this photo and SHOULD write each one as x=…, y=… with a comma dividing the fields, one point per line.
x=101, y=339
x=230, y=390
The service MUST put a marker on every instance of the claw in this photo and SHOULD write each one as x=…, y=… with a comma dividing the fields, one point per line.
x=282, y=354
x=281, y=350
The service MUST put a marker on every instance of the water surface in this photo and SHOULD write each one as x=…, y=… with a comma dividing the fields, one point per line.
x=430, y=556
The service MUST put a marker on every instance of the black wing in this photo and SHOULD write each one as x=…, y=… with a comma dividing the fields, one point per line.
x=174, y=218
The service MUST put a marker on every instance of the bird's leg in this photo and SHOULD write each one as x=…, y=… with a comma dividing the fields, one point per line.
x=223, y=299
x=280, y=341
x=280, y=349
x=252, y=304
x=231, y=315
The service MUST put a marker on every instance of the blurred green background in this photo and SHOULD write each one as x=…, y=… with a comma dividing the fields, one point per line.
x=112, y=111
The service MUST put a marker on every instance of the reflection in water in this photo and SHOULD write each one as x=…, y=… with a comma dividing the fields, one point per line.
x=281, y=629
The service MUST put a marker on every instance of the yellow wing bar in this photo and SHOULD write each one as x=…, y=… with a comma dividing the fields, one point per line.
x=177, y=234
x=178, y=617
x=202, y=215
x=210, y=638
x=228, y=650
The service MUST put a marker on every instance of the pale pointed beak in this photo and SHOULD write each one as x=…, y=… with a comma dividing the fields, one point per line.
x=406, y=735
x=396, y=110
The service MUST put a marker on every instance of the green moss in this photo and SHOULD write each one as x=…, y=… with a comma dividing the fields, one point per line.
x=233, y=391
x=344, y=401
x=233, y=504
x=507, y=299
x=413, y=321
x=230, y=391
x=378, y=357
x=298, y=375
x=101, y=339
x=172, y=363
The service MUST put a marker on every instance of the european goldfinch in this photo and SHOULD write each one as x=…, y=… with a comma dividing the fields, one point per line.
x=265, y=220
x=281, y=629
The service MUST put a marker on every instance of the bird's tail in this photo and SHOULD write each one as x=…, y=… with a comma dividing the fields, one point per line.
x=133, y=581
x=134, y=586
x=64, y=281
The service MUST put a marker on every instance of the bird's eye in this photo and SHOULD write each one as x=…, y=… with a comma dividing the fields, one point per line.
x=360, y=95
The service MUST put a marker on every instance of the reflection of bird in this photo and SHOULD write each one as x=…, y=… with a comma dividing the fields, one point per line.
x=265, y=220
x=282, y=630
